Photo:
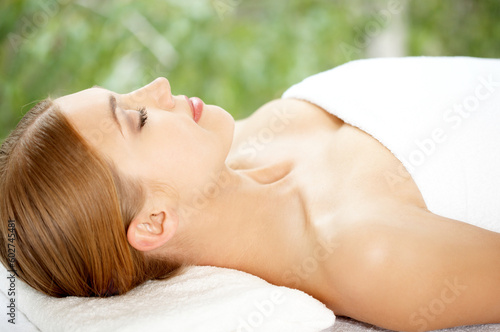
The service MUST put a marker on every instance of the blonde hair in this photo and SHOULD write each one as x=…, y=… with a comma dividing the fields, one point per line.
x=70, y=208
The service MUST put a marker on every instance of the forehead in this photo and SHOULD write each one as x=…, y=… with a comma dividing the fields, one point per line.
x=85, y=100
x=87, y=109
x=89, y=112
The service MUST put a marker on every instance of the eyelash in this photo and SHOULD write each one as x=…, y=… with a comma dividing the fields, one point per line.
x=143, y=116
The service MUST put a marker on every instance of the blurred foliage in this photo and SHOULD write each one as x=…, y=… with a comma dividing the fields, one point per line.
x=237, y=54
x=464, y=27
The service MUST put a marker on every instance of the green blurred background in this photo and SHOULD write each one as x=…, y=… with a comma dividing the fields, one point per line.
x=237, y=54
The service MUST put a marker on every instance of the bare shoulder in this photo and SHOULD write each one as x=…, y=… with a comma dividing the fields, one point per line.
x=413, y=270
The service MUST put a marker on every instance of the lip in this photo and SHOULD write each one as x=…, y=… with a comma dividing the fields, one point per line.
x=197, y=107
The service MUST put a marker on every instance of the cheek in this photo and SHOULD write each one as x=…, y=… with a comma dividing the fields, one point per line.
x=178, y=159
x=192, y=169
x=186, y=155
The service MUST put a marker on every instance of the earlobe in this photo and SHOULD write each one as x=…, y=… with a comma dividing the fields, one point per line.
x=149, y=231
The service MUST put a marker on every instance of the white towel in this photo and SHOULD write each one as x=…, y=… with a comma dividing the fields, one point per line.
x=201, y=299
x=440, y=116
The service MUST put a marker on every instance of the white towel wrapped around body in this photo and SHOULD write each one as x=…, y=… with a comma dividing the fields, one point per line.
x=440, y=116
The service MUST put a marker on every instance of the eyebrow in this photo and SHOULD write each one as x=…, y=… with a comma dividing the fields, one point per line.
x=112, y=107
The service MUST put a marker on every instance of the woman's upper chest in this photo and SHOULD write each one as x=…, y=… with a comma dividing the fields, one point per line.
x=339, y=168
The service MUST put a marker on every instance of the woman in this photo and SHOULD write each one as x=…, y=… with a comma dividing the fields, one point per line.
x=108, y=190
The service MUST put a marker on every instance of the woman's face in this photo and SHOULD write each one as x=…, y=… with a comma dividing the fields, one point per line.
x=171, y=147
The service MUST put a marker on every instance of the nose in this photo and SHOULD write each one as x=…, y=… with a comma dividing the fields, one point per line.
x=157, y=92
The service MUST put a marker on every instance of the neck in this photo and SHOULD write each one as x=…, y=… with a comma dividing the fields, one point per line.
x=256, y=223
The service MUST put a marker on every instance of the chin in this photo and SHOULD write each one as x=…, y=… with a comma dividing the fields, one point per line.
x=220, y=122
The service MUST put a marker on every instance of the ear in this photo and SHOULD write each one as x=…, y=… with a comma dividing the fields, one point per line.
x=149, y=231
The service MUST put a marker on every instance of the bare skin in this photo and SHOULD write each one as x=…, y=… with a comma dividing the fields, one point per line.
x=303, y=200
x=391, y=262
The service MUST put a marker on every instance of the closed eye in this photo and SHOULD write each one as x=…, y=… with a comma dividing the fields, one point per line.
x=143, y=117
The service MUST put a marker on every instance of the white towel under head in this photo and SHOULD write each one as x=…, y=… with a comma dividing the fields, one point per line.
x=201, y=299
x=440, y=116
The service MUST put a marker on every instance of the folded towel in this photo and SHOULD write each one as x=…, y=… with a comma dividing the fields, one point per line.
x=201, y=299
x=440, y=116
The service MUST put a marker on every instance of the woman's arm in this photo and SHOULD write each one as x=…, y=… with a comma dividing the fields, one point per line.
x=418, y=271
